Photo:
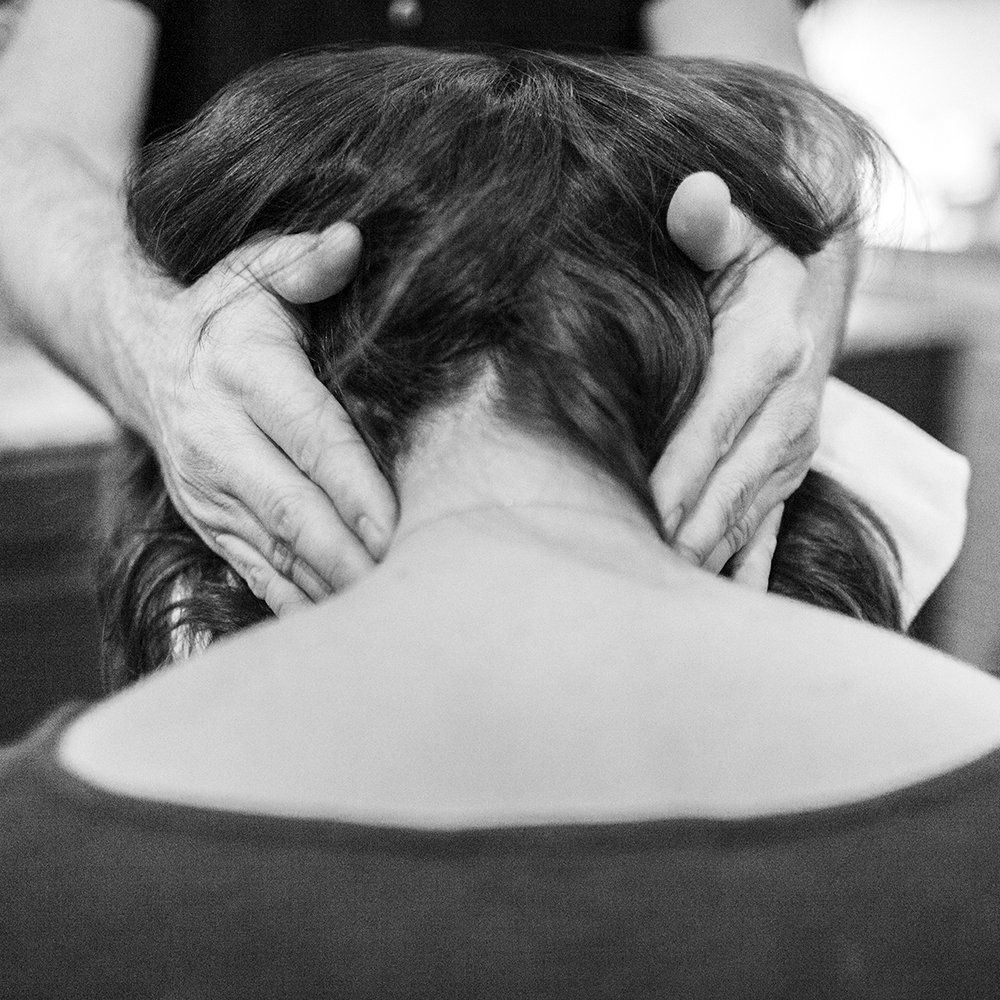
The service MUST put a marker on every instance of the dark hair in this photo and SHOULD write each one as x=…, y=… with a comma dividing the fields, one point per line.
x=512, y=207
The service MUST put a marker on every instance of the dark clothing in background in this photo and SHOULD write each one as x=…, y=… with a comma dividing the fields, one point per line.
x=105, y=896
x=206, y=43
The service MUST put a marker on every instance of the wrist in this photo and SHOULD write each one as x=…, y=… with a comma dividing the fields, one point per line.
x=133, y=339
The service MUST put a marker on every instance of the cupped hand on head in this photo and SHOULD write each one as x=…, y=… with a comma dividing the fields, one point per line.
x=257, y=456
x=747, y=441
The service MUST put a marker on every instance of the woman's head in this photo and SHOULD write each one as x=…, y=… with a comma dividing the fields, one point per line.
x=513, y=212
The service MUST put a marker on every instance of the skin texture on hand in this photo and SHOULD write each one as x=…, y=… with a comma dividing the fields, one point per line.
x=257, y=455
x=747, y=441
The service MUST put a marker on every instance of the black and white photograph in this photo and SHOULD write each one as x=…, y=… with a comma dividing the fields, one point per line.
x=500, y=501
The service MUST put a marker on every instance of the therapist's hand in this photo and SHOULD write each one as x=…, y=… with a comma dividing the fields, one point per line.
x=748, y=439
x=257, y=456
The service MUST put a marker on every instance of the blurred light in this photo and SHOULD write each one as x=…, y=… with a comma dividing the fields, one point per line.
x=926, y=74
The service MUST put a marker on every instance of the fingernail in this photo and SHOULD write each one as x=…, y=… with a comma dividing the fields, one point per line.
x=375, y=538
x=330, y=236
x=243, y=559
x=672, y=522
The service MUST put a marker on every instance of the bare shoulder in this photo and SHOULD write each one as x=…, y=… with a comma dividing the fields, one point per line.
x=845, y=703
x=788, y=707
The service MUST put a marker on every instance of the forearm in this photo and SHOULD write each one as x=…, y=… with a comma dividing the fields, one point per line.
x=69, y=277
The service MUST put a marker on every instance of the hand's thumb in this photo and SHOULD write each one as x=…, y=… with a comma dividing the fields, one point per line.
x=309, y=267
x=702, y=222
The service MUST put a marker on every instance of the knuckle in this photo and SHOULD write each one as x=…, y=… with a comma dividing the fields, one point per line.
x=331, y=454
x=218, y=365
x=734, y=498
x=727, y=502
x=784, y=357
x=738, y=534
x=797, y=443
x=257, y=578
x=721, y=515
x=724, y=428
x=221, y=357
x=310, y=449
x=284, y=518
x=282, y=559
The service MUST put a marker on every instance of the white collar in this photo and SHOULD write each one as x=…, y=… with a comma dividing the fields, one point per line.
x=915, y=484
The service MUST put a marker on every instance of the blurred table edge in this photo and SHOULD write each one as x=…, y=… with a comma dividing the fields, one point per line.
x=41, y=407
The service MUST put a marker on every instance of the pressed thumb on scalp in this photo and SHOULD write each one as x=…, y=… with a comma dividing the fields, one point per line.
x=702, y=222
x=305, y=268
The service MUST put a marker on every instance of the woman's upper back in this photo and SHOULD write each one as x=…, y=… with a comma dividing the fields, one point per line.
x=478, y=680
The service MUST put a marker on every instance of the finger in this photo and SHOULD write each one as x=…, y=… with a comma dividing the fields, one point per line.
x=300, y=524
x=280, y=594
x=289, y=565
x=751, y=566
x=307, y=423
x=760, y=472
x=702, y=222
x=305, y=267
x=221, y=515
x=729, y=397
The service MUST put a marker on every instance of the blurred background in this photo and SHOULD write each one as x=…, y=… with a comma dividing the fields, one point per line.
x=926, y=73
x=924, y=337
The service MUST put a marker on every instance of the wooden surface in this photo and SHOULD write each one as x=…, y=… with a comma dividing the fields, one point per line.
x=54, y=445
x=50, y=516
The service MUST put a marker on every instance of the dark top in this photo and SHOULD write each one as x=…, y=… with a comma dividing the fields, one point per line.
x=105, y=896
x=205, y=43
